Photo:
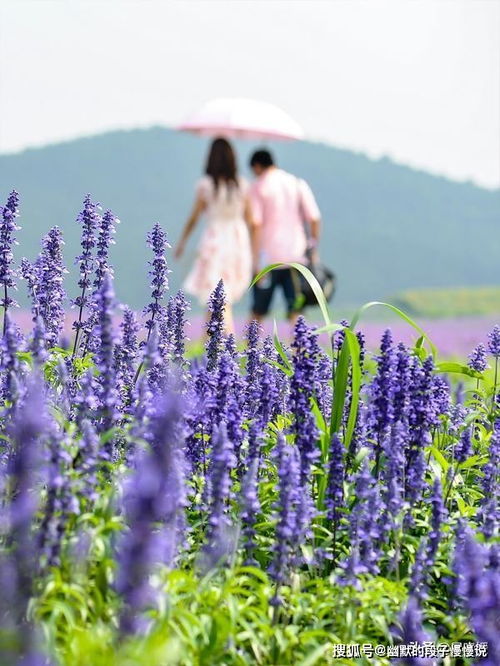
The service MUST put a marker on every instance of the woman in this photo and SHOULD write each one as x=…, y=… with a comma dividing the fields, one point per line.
x=225, y=247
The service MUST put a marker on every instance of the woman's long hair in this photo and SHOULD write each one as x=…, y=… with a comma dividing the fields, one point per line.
x=221, y=163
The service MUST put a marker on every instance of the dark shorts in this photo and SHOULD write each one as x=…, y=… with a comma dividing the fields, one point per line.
x=263, y=295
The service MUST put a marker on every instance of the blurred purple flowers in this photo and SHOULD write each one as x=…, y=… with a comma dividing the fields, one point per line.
x=225, y=464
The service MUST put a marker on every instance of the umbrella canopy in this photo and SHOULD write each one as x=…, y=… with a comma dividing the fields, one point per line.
x=242, y=118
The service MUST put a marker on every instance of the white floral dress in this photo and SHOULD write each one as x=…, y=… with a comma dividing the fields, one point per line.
x=224, y=250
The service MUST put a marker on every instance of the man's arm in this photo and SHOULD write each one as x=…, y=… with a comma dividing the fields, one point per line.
x=311, y=214
x=255, y=235
x=257, y=215
x=315, y=226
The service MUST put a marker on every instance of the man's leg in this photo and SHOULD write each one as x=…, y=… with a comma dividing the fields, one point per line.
x=261, y=299
x=256, y=316
x=288, y=284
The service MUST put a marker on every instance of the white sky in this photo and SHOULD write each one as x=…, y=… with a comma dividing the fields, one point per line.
x=418, y=80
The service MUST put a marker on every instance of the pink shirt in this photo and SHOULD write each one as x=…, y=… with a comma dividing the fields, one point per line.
x=280, y=204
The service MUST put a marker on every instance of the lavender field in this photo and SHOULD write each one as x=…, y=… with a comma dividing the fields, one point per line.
x=325, y=496
x=453, y=337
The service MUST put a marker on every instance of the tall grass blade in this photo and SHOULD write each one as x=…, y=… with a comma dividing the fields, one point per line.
x=348, y=359
x=315, y=285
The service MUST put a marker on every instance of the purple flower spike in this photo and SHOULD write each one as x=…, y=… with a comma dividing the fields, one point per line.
x=157, y=241
x=104, y=241
x=50, y=292
x=155, y=369
x=352, y=568
x=230, y=398
x=250, y=509
x=29, y=272
x=491, y=472
x=479, y=588
x=339, y=336
x=180, y=308
x=154, y=505
x=172, y=337
x=253, y=363
x=437, y=518
x=215, y=325
x=288, y=462
x=27, y=432
x=8, y=226
x=9, y=362
x=202, y=407
x=88, y=459
x=494, y=342
x=393, y=476
x=365, y=520
x=419, y=572
x=306, y=355
x=264, y=394
x=303, y=384
x=61, y=501
x=125, y=359
x=477, y=358
x=440, y=395
x=402, y=381
x=89, y=219
x=38, y=345
x=107, y=393
x=412, y=631
x=219, y=524
x=382, y=391
x=489, y=515
x=463, y=449
x=335, y=490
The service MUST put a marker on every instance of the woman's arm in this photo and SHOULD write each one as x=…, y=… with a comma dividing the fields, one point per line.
x=198, y=208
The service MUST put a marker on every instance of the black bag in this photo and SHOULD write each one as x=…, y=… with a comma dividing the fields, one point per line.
x=324, y=275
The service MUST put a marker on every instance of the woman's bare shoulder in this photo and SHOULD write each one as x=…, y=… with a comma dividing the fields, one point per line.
x=204, y=187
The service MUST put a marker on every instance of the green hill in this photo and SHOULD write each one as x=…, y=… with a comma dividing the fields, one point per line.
x=450, y=302
x=387, y=228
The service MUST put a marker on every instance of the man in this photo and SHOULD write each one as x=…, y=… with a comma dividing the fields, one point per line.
x=281, y=205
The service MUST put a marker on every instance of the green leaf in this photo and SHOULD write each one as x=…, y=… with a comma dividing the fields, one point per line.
x=471, y=462
x=329, y=327
x=463, y=507
x=316, y=287
x=320, y=419
x=363, y=452
x=349, y=358
x=280, y=349
x=438, y=456
x=458, y=368
x=275, y=364
x=314, y=656
x=311, y=279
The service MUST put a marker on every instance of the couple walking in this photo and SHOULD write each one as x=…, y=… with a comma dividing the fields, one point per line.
x=249, y=227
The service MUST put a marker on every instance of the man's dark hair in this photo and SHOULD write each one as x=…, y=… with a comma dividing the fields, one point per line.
x=262, y=158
